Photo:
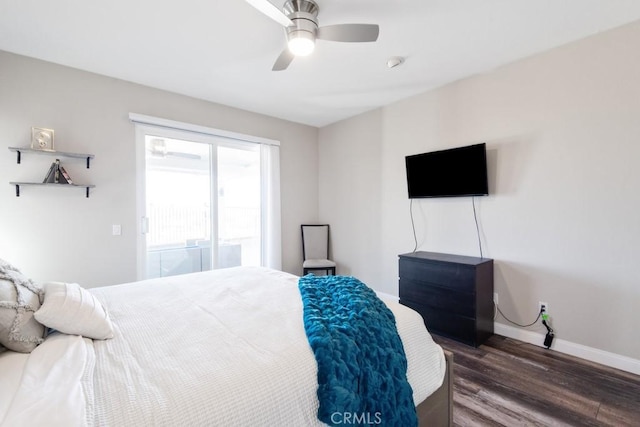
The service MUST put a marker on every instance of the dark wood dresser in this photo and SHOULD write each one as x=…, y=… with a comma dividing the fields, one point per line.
x=453, y=293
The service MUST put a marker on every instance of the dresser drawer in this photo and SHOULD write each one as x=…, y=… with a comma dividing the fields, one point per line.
x=459, y=328
x=438, y=297
x=455, y=276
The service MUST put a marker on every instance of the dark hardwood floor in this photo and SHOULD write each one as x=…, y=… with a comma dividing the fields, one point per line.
x=506, y=382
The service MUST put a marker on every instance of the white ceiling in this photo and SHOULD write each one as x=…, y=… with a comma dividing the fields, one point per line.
x=223, y=50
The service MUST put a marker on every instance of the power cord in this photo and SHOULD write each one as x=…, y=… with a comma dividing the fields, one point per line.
x=475, y=217
x=548, y=339
x=516, y=323
x=413, y=226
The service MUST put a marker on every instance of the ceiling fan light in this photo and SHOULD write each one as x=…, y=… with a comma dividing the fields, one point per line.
x=301, y=43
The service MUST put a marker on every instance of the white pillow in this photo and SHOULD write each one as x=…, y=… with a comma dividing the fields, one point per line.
x=70, y=309
x=19, y=299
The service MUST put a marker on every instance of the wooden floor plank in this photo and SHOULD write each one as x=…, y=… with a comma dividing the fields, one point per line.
x=613, y=415
x=506, y=382
x=517, y=397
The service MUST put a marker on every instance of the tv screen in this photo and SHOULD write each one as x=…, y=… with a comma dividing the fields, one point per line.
x=454, y=172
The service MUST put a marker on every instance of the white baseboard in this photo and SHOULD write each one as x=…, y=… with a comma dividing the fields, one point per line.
x=388, y=296
x=613, y=360
x=606, y=358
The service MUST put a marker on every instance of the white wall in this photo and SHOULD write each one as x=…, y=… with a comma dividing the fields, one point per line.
x=563, y=136
x=58, y=234
x=350, y=178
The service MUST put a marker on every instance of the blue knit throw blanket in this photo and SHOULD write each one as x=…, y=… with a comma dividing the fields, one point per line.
x=362, y=367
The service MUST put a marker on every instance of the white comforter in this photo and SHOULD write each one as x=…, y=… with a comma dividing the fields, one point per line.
x=226, y=348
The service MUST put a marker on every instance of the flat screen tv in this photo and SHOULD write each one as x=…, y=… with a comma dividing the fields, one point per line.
x=455, y=172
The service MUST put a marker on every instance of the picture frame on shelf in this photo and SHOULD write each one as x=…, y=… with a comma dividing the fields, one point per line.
x=42, y=139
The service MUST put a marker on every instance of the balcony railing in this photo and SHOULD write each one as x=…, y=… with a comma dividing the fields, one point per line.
x=174, y=225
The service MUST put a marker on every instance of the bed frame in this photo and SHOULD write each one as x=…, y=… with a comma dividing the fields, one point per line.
x=437, y=409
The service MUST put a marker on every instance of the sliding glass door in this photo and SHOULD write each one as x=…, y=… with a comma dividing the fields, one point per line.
x=239, y=204
x=178, y=206
x=204, y=203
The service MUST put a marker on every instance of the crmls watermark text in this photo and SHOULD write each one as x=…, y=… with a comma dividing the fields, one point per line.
x=353, y=418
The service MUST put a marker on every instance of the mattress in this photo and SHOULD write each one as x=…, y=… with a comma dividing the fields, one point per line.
x=224, y=347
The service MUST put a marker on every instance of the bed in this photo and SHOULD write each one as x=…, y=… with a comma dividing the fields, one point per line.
x=223, y=347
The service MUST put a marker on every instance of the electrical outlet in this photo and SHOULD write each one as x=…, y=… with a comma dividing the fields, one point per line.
x=495, y=297
x=541, y=305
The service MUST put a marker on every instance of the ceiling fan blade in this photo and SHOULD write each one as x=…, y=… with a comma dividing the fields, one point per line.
x=183, y=155
x=283, y=60
x=349, y=32
x=271, y=11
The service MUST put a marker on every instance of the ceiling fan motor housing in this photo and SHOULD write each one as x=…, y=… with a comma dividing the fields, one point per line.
x=303, y=14
x=306, y=6
x=300, y=19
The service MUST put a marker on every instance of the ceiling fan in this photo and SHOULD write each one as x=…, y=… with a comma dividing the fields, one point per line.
x=299, y=17
x=158, y=148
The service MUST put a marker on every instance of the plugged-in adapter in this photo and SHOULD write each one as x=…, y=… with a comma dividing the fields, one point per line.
x=548, y=339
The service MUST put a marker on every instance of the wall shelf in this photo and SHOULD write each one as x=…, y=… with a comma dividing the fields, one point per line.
x=53, y=153
x=20, y=150
x=50, y=184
